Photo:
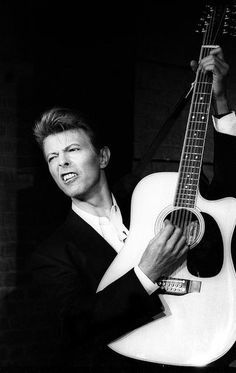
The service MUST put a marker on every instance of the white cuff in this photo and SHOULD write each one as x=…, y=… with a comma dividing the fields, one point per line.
x=226, y=124
x=148, y=285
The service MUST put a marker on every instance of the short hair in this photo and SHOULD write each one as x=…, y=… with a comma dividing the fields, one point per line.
x=59, y=119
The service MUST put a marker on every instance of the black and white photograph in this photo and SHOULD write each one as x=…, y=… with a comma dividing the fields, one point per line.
x=118, y=186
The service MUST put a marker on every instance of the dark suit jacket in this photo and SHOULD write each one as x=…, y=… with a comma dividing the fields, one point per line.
x=71, y=263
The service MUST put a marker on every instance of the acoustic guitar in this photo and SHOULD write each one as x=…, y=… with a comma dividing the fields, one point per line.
x=198, y=324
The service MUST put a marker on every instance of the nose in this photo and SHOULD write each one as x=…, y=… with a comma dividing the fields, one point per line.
x=63, y=160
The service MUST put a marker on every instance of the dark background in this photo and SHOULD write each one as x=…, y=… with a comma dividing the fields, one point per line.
x=124, y=63
x=86, y=55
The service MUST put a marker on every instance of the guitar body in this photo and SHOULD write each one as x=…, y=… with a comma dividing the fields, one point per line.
x=197, y=328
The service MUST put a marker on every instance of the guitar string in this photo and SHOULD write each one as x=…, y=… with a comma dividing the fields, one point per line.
x=184, y=211
x=203, y=110
x=198, y=128
x=184, y=217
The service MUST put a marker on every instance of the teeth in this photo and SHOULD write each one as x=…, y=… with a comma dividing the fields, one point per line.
x=68, y=176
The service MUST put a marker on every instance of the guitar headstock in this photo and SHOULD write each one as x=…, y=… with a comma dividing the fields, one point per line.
x=218, y=19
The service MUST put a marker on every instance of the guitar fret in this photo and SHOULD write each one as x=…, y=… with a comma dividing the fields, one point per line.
x=191, y=153
x=189, y=179
x=197, y=103
x=197, y=130
x=202, y=93
x=194, y=126
x=188, y=190
x=193, y=136
x=185, y=185
x=191, y=162
x=188, y=173
x=189, y=187
x=197, y=121
x=204, y=83
x=193, y=146
x=201, y=103
x=201, y=100
x=197, y=114
x=189, y=167
x=183, y=203
x=186, y=197
x=189, y=184
x=195, y=139
x=194, y=151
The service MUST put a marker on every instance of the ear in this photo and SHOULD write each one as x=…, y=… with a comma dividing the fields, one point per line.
x=104, y=156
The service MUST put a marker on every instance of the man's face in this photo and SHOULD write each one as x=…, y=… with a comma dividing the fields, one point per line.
x=73, y=163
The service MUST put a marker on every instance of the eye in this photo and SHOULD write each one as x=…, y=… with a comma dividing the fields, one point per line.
x=74, y=149
x=51, y=158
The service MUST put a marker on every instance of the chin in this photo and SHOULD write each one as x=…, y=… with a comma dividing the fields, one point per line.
x=74, y=193
x=69, y=192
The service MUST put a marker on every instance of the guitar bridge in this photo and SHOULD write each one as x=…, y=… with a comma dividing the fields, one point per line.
x=178, y=286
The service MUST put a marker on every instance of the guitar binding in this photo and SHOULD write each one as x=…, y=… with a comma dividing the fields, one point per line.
x=190, y=220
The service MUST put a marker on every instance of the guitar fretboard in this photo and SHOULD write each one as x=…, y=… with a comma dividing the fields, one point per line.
x=192, y=153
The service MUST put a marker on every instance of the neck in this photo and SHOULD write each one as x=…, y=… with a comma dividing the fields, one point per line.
x=99, y=203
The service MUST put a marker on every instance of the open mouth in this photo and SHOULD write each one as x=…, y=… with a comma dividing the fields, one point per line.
x=67, y=178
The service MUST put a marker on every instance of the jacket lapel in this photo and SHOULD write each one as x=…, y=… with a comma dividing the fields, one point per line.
x=97, y=254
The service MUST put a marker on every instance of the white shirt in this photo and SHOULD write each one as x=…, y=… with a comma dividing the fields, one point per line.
x=226, y=124
x=113, y=230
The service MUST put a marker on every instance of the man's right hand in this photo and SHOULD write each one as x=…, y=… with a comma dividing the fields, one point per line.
x=163, y=252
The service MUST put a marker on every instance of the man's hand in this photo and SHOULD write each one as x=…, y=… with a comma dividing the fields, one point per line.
x=164, y=251
x=216, y=64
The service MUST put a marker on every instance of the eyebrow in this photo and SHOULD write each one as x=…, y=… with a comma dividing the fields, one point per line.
x=64, y=149
x=73, y=144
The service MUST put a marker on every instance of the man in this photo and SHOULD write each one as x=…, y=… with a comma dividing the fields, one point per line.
x=71, y=263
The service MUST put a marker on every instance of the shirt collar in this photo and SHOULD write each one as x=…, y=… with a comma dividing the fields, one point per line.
x=81, y=212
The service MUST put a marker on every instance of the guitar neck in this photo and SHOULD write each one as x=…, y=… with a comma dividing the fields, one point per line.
x=195, y=135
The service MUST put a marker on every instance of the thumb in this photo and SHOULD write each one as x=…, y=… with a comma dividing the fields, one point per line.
x=194, y=65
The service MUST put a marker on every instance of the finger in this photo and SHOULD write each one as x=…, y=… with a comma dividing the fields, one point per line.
x=166, y=231
x=212, y=60
x=175, y=237
x=217, y=51
x=182, y=247
x=215, y=65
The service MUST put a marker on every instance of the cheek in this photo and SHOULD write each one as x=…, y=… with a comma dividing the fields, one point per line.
x=90, y=164
x=94, y=167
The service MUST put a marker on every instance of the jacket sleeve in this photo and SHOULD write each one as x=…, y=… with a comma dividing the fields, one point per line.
x=224, y=181
x=121, y=307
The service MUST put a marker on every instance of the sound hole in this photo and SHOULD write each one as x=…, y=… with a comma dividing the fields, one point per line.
x=189, y=222
x=205, y=258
